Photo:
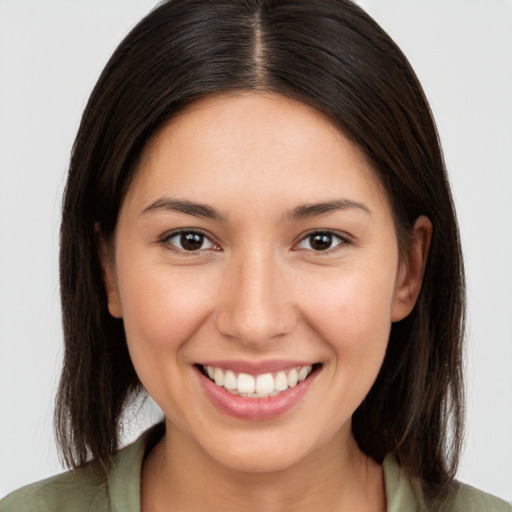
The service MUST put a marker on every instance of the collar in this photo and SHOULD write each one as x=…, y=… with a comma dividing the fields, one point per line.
x=402, y=493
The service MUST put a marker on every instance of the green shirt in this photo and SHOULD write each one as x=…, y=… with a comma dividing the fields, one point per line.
x=90, y=490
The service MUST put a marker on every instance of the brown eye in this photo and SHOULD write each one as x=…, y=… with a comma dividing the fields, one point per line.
x=190, y=241
x=320, y=241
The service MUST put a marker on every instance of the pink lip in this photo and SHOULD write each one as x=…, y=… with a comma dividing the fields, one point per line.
x=255, y=409
x=256, y=368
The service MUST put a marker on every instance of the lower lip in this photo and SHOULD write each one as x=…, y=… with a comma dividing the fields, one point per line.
x=255, y=409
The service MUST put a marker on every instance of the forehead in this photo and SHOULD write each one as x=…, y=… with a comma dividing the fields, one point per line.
x=251, y=142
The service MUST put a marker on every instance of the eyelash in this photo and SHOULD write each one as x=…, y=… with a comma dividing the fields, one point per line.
x=166, y=241
x=342, y=241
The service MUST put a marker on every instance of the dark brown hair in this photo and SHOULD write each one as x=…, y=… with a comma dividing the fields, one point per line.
x=333, y=56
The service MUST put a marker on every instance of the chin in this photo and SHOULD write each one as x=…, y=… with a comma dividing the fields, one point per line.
x=263, y=451
x=260, y=460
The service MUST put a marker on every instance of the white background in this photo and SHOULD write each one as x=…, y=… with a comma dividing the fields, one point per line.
x=51, y=53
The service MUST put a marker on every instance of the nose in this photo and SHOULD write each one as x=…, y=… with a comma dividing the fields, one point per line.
x=256, y=304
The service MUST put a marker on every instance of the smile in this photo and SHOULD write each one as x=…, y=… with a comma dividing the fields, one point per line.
x=256, y=391
x=257, y=386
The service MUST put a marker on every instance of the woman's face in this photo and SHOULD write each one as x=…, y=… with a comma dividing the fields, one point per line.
x=255, y=244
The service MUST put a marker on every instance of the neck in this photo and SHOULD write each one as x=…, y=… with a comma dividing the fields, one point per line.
x=337, y=477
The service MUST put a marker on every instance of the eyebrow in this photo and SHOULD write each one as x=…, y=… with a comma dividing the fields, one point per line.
x=183, y=206
x=207, y=212
x=311, y=210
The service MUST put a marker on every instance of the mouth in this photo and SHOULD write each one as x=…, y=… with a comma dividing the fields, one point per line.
x=262, y=385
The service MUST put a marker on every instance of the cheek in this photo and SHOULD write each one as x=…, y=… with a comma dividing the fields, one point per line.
x=352, y=313
x=162, y=309
x=353, y=320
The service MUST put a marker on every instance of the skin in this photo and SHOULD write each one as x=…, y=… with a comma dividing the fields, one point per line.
x=257, y=290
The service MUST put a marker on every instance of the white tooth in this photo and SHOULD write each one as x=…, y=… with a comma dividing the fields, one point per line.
x=209, y=371
x=304, y=372
x=218, y=375
x=230, y=380
x=246, y=383
x=293, y=378
x=280, y=382
x=264, y=384
x=234, y=391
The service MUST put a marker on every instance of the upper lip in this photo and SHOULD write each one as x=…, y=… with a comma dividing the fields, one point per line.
x=256, y=367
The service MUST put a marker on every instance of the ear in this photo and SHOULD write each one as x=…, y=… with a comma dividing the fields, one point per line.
x=109, y=275
x=410, y=272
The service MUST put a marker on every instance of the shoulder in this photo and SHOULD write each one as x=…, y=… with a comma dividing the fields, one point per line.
x=465, y=498
x=78, y=490
x=405, y=494
x=89, y=489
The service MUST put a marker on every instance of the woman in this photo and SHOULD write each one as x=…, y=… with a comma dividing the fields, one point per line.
x=258, y=231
